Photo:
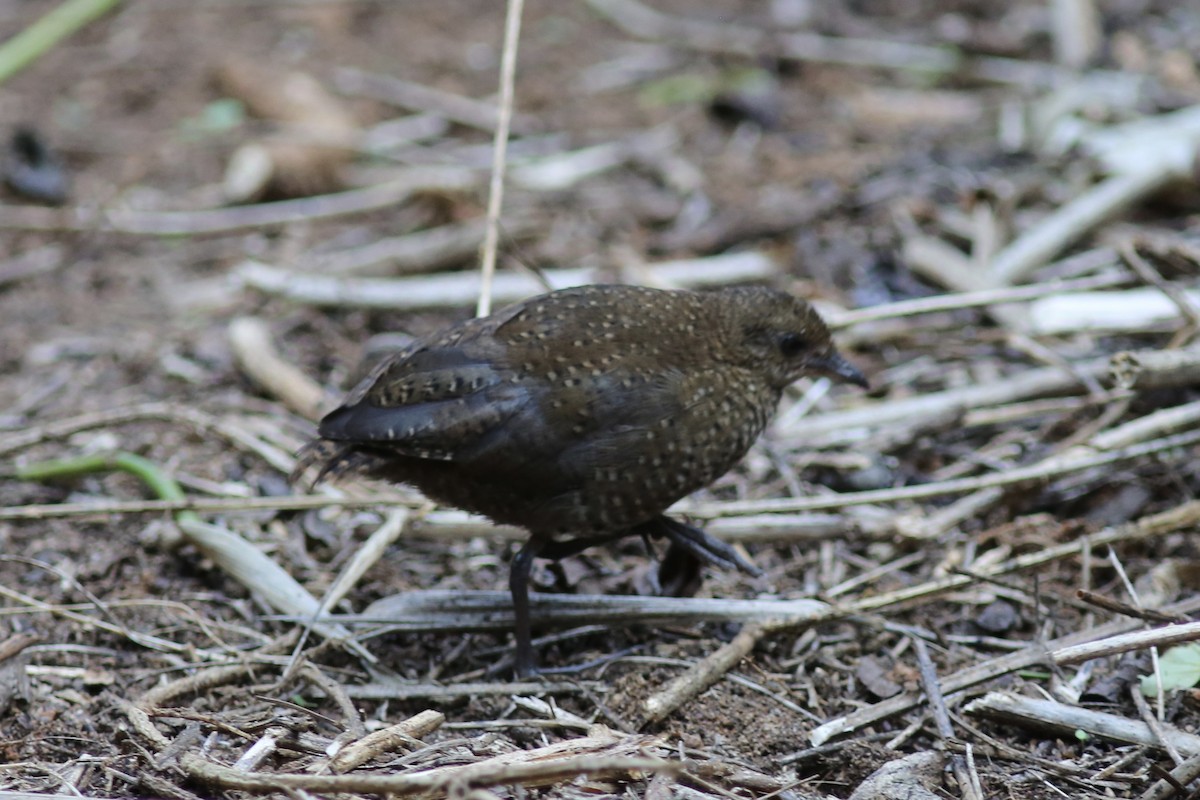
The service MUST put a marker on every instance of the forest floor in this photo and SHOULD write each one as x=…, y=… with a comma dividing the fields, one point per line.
x=994, y=205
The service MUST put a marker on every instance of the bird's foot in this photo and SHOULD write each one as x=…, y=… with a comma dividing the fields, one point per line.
x=697, y=543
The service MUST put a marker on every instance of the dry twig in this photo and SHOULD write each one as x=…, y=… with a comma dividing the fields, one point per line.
x=1067, y=719
x=213, y=221
x=704, y=674
x=600, y=754
x=463, y=288
x=250, y=340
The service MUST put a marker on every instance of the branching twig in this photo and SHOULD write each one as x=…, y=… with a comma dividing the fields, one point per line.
x=597, y=755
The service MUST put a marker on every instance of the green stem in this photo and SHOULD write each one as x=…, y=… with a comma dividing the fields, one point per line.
x=160, y=483
x=19, y=51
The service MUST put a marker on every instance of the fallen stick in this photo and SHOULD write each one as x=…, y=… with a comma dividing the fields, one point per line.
x=1102, y=202
x=702, y=675
x=846, y=321
x=1066, y=720
x=449, y=693
x=422, y=611
x=1131, y=310
x=423, y=251
x=1033, y=473
x=601, y=754
x=1030, y=656
x=839, y=428
x=1180, y=518
x=1168, y=786
x=416, y=97
x=968, y=781
x=212, y=221
x=462, y=288
x=1125, y=642
x=644, y=22
x=1158, y=423
x=1077, y=32
x=1154, y=369
x=1128, y=146
x=386, y=740
x=254, y=351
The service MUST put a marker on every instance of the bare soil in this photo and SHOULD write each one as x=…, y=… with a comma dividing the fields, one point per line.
x=855, y=162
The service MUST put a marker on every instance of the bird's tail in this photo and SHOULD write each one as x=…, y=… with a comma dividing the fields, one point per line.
x=331, y=459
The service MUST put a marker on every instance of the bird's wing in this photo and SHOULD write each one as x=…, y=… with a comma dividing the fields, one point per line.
x=586, y=455
x=677, y=430
x=427, y=403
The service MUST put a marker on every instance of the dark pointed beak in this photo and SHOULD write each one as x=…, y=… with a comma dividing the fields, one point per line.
x=833, y=365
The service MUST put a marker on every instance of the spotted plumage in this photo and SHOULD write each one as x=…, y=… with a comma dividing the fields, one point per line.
x=582, y=414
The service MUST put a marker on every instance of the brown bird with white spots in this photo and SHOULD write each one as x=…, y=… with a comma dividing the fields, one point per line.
x=581, y=415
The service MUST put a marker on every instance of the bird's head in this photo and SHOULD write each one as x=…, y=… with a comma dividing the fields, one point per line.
x=784, y=338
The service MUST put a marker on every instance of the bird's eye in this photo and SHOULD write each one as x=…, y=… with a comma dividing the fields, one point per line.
x=791, y=345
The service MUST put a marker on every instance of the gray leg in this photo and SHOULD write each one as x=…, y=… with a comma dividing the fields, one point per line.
x=699, y=544
x=518, y=584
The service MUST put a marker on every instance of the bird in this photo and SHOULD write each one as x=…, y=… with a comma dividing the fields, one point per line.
x=581, y=415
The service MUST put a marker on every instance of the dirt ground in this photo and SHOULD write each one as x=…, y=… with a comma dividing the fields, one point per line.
x=128, y=657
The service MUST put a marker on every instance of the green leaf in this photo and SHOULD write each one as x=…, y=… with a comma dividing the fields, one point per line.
x=677, y=90
x=1180, y=668
x=218, y=116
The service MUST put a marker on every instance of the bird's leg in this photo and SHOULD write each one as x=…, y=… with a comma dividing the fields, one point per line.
x=518, y=585
x=678, y=570
x=678, y=573
x=697, y=543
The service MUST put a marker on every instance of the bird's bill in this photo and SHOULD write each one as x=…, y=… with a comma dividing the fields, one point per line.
x=839, y=369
